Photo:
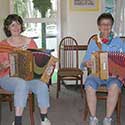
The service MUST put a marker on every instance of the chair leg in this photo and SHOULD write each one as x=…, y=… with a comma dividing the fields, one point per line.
x=58, y=87
x=10, y=105
x=9, y=100
x=31, y=109
x=59, y=84
x=81, y=87
x=76, y=82
x=0, y=113
x=118, y=110
x=33, y=103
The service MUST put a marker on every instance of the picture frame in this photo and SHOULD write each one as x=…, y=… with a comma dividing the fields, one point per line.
x=84, y=5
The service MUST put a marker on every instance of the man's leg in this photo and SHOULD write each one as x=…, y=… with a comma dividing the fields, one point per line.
x=113, y=93
x=91, y=100
x=91, y=85
x=114, y=88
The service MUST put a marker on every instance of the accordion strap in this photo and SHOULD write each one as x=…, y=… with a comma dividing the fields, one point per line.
x=95, y=38
x=6, y=48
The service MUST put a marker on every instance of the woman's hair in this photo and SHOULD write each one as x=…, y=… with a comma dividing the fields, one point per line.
x=105, y=16
x=10, y=18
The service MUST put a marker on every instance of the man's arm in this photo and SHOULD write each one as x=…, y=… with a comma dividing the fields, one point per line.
x=92, y=47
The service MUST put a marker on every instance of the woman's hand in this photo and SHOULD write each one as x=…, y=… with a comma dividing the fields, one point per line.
x=4, y=65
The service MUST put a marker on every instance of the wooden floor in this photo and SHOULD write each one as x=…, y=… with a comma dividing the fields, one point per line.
x=67, y=110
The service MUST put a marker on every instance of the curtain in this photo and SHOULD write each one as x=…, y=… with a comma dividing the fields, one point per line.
x=119, y=14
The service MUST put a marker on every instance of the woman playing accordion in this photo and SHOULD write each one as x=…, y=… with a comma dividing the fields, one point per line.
x=13, y=26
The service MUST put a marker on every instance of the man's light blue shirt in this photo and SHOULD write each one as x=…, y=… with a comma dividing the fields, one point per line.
x=116, y=45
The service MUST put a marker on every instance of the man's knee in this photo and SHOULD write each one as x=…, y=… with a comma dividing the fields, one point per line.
x=90, y=90
x=113, y=89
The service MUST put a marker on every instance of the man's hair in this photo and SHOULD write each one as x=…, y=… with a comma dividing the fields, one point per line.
x=105, y=16
x=10, y=18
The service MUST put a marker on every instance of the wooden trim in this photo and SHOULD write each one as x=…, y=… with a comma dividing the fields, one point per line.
x=80, y=47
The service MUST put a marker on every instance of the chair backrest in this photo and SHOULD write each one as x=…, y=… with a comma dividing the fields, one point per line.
x=95, y=35
x=91, y=38
x=122, y=38
x=68, y=53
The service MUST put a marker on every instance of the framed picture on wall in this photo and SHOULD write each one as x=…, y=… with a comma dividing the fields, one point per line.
x=84, y=5
x=109, y=6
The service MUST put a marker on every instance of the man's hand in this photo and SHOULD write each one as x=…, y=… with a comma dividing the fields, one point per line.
x=89, y=64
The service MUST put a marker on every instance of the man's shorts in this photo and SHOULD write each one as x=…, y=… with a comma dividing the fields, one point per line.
x=95, y=82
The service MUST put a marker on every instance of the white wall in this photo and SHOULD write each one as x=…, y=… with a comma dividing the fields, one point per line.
x=4, y=11
x=81, y=25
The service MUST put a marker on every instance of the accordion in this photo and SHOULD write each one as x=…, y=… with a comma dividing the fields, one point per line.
x=29, y=64
x=107, y=64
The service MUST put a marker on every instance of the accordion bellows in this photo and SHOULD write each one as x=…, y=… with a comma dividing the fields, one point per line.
x=40, y=61
x=29, y=65
x=116, y=62
x=107, y=64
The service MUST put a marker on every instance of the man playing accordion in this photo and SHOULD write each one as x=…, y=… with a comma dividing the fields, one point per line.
x=104, y=41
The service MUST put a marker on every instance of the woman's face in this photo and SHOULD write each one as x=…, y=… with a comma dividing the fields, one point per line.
x=105, y=26
x=15, y=28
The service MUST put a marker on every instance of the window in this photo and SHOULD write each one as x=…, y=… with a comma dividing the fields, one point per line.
x=42, y=27
x=117, y=8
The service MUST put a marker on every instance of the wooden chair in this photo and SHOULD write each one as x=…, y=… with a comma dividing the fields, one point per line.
x=6, y=96
x=68, y=62
x=102, y=95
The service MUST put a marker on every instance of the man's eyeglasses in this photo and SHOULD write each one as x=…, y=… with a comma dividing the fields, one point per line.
x=108, y=25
